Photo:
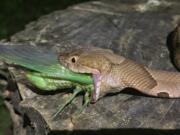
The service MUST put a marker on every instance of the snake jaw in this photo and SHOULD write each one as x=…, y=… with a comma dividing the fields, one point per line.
x=97, y=84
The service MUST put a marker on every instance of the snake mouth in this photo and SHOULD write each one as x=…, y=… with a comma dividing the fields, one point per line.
x=97, y=82
x=96, y=75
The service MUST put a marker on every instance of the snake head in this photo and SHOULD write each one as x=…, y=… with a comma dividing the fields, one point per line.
x=90, y=61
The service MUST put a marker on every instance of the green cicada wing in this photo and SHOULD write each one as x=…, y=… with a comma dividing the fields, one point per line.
x=28, y=56
x=40, y=60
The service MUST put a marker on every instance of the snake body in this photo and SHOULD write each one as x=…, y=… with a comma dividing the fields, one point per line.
x=110, y=70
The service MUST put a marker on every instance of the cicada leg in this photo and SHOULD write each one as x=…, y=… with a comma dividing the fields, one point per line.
x=76, y=91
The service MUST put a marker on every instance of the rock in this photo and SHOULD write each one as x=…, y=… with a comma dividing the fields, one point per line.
x=138, y=30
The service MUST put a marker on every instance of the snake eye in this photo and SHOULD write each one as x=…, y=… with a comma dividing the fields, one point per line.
x=73, y=60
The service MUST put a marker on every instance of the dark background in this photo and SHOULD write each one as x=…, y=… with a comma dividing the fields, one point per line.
x=14, y=15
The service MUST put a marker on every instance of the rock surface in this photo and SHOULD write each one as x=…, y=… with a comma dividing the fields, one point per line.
x=139, y=30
